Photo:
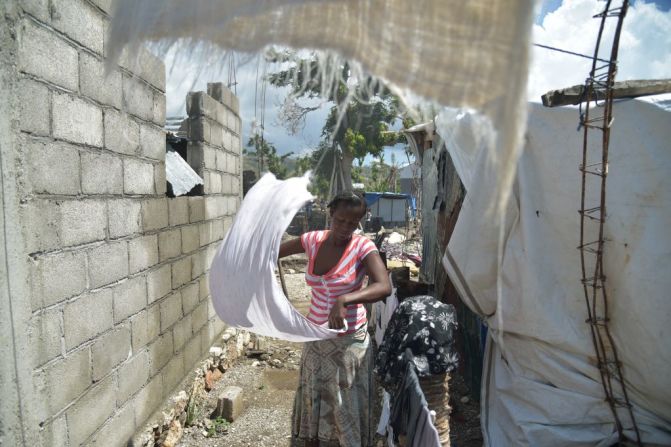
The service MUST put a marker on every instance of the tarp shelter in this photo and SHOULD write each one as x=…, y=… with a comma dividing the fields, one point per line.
x=391, y=207
x=540, y=383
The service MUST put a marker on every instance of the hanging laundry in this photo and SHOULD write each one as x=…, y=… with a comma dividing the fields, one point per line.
x=244, y=290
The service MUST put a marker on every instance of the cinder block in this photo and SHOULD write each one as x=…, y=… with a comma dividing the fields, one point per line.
x=89, y=413
x=209, y=157
x=169, y=244
x=155, y=213
x=37, y=8
x=178, y=211
x=198, y=130
x=159, y=108
x=192, y=351
x=219, y=92
x=152, y=142
x=55, y=432
x=171, y=310
x=190, y=297
x=142, y=253
x=35, y=118
x=230, y=404
x=57, y=277
x=236, y=147
x=205, y=233
x=159, y=283
x=190, y=238
x=195, y=156
x=52, y=167
x=79, y=21
x=198, y=264
x=108, y=263
x=199, y=317
x=62, y=385
x=235, y=104
x=196, y=209
x=118, y=429
x=130, y=297
x=220, y=161
x=228, y=140
x=216, y=137
x=133, y=374
x=145, y=65
x=45, y=333
x=101, y=173
x=138, y=98
x=181, y=272
x=160, y=182
x=204, y=289
x=105, y=5
x=95, y=84
x=82, y=221
x=210, y=253
x=76, y=120
x=87, y=317
x=181, y=332
x=138, y=177
x=145, y=402
x=173, y=373
x=145, y=327
x=46, y=56
x=122, y=134
x=160, y=352
x=124, y=217
x=215, y=183
x=228, y=222
x=109, y=350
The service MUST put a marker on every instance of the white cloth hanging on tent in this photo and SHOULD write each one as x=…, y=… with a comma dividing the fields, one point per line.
x=244, y=290
x=450, y=52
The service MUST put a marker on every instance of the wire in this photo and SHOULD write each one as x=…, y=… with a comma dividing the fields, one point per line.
x=571, y=52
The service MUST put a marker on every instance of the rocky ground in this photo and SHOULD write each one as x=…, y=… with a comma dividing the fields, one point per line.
x=267, y=372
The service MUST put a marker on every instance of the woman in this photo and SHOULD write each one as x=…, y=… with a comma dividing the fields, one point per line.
x=334, y=392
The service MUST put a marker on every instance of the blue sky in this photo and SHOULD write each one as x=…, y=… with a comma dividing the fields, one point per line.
x=645, y=52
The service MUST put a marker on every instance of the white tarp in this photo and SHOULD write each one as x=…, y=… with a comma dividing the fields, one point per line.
x=540, y=383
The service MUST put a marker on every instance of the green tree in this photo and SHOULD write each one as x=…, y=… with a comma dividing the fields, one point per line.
x=267, y=157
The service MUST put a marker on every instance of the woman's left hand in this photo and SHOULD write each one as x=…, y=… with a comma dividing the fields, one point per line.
x=338, y=314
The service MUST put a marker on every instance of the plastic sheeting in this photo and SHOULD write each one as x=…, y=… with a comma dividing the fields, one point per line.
x=244, y=290
x=540, y=382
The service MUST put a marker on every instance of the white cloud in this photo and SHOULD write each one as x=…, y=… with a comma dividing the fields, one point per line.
x=645, y=45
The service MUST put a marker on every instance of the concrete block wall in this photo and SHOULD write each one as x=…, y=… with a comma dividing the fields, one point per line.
x=108, y=304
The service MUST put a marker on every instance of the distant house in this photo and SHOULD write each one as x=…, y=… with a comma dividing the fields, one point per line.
x=392, y=209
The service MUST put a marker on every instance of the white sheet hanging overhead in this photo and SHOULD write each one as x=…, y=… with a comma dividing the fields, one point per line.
x=540, y=384
x=242, y=279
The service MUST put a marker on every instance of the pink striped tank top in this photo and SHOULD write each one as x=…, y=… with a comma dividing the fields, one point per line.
x=346, y=276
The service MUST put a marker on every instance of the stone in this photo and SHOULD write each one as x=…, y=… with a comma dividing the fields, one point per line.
x=76, y=120
x=174, y=434
x=216, y=352
x=230, y=404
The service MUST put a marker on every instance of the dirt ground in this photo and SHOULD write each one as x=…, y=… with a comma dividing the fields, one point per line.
x=269, y=380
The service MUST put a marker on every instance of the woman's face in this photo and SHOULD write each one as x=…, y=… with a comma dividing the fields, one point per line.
x=344, y=220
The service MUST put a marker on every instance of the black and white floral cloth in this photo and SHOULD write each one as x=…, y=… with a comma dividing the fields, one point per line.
x=426, y=327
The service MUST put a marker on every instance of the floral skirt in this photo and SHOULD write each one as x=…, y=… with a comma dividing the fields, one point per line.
x=334, y=400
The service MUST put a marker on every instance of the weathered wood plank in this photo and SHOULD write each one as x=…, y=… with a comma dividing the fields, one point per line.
x=624, y=89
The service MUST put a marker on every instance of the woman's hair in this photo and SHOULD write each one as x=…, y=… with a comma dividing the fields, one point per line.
x=349, y=199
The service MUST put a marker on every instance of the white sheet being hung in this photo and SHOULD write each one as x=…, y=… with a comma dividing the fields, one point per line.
x=451, y=52
x=244, y=290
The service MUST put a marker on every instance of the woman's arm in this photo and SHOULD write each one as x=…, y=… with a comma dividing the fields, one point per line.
x=379, y=287
x=291, y=247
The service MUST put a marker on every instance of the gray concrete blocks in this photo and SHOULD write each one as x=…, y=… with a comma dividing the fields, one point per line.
x=138, y=177
x=230, y=404
x=178, y=211
x=142, y=253
x=133, y=374
x=159, y=283
x=192, y=350
x=198, y=264
x=107, y=263
x=101, y=173
x=199, y=317
x=190, y=238
x=190, y=297
x=145, y=327
x=130, y=297
x=46, y=56
x=138, y=98
x=171, y=310
x=124, y=217
x=105, y=5
x=57, y=277
x=152, y=142
x=119, y=428
x=181, y=272
x=220, y=163
x=87, y=317
x=95, y=84
x=37, y=8
x=169, y=244
x=196, y=209
x=53, y=168
x=160, y=182
x=45, y=334
x=159, y=108
x=160, y=352
x=122, y=134
x=173, y=374
x=79, y=21
x=145, y=65
x=62, y=385
x=82, y=221
x=109, y=350
x=181, y=332
x=34, y=117
x=144, y=402
x=89, y=413
x=154, y=214
x=76, y=120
